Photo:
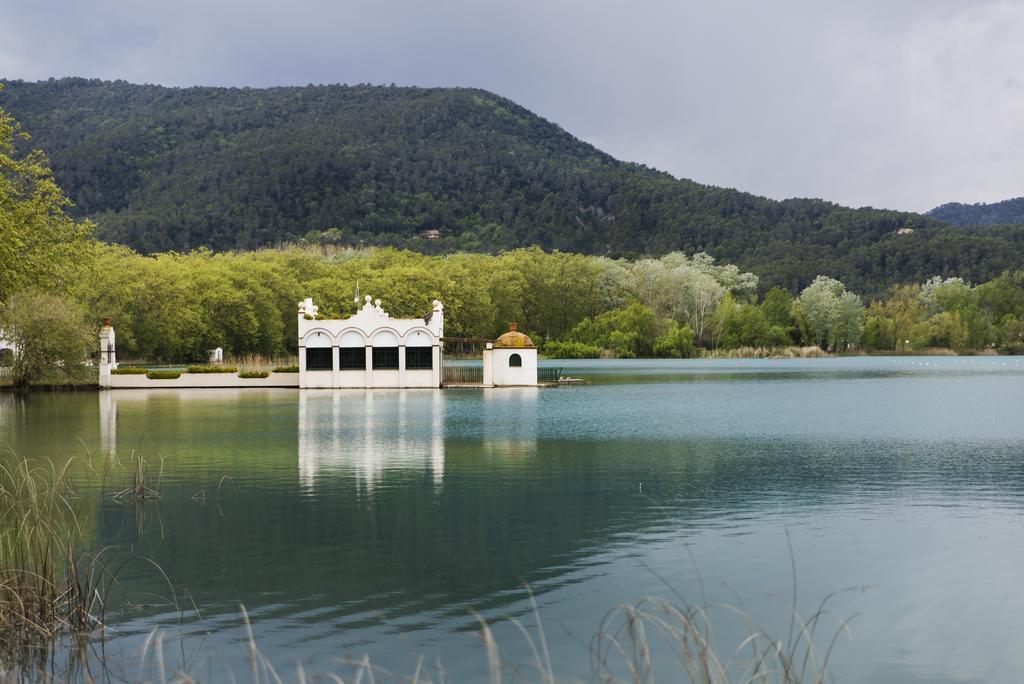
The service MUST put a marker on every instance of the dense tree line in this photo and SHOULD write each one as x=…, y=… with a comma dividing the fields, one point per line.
x=174, y=307
x=1007, y=212
x=162, y=169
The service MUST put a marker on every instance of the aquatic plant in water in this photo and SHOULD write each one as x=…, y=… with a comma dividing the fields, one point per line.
x=50, y=591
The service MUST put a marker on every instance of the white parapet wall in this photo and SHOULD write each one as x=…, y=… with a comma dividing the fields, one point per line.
x=199, y=380
x=369, y=349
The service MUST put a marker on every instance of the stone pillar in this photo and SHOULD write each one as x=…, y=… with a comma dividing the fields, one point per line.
x=401, y=365
x=437, y=359
x=437, y=318
x=335, y=364
x=108, y=352
x=489, y=365
x=369, y=366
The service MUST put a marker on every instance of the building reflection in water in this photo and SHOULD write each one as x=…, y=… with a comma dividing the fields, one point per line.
x=108, y=423
x=365, y=433
x=355, y=434
x=509, y=423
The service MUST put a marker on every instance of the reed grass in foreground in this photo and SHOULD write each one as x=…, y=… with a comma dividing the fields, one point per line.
x=53, y=600
x=647, y=641
x=50, y=592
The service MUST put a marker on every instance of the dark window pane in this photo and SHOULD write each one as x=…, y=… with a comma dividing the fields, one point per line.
x=419, y=358
x=515, y=361
x=385, y=358
x=319, y=358
x=352, y=358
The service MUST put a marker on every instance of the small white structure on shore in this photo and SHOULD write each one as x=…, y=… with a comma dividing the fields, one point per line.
x=369, y=349
x=511, y=361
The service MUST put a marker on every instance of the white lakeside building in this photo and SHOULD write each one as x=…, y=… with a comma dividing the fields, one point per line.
x=372, y=350
x=369, y=349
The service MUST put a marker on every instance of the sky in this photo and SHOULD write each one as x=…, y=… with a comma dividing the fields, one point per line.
x=903, y=104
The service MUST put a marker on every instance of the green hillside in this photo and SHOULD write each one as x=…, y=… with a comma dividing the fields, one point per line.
x=236, y=168
x=1009, y=211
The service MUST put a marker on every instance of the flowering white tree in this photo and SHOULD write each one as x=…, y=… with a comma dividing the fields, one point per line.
x=689, y=289
x=833, y=316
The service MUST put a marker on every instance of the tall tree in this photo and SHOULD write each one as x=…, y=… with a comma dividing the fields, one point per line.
x=39, y=243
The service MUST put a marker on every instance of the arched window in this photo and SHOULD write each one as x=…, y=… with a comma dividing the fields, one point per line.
x=352, y=351
x=385, y=351
x=515, y=361
x=319, y=355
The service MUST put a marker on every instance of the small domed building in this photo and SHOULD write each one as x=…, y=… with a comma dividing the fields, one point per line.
x=513, y=359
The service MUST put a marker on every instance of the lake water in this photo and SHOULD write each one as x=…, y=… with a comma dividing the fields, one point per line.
x=385, y=522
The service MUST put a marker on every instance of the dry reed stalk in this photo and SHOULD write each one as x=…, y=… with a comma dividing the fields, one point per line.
x=137, y=488
x=765, y=353
x=260, y=362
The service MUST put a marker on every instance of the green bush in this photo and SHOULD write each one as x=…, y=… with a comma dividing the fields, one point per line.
x=286, y=369
x=163, y=375
x=1012, y=349
x=629, y=332
x=571, y=350
x=676, y=342
x=253, y=374
x=129, y=371
x=212, y=369
x=50, y=335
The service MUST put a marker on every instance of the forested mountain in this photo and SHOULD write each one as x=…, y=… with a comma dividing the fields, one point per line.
x=998, y=213
x=235, y=168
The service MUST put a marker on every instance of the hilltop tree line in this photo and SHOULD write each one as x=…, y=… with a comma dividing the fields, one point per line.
x=440, y=171
x=1007, y=212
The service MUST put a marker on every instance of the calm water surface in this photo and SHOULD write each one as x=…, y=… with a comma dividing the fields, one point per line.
x=380, y=522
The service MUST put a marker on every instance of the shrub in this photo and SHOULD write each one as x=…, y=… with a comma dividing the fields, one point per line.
x=286, y=369
x=129, y=371
x=676, y=342
x=253, y=374
x=50, y=337
x=163, y=375
x=571, y=350
x=1014, y=349
x=212, y=369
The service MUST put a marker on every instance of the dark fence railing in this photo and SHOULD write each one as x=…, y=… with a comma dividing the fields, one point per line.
x=548, y=374
x=462, y=375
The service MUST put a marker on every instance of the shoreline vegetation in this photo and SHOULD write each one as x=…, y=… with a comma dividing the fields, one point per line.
x=172, y=308
x=257, y=370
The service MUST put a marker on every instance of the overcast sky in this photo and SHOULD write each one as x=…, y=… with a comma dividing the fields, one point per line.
x=899, y=103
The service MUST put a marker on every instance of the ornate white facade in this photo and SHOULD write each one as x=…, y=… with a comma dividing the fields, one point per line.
x=369, y=349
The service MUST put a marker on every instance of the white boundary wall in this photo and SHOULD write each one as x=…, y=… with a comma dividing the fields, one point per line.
x=197, y=380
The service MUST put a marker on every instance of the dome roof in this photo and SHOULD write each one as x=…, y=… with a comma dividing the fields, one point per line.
x=514, y=339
